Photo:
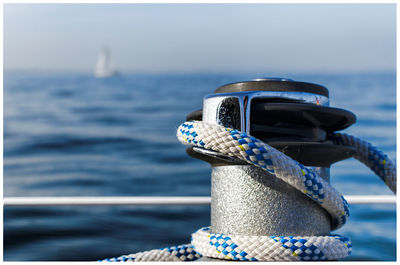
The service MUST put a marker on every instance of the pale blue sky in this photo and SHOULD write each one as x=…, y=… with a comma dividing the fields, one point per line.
x=202, y=37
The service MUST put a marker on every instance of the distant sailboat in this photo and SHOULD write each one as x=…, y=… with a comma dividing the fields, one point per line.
x=103, y=66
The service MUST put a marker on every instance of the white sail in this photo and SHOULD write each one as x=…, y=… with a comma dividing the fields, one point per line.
x=103, y=66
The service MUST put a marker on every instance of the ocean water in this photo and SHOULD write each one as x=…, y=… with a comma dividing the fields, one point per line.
x=69, y=134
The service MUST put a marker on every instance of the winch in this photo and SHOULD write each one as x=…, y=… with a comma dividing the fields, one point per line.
x=293, y=117
x=270, y=143
x=296, y=119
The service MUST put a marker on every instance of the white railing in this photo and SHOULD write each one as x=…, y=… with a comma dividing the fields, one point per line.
x=155, y=200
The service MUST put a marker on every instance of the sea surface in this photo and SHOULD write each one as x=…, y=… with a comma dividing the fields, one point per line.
x=69, y=134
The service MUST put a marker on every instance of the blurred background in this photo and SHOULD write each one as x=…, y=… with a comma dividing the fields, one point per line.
x=93, y=94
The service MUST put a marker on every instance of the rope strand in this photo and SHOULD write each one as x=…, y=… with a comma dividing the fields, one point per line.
x=370, y=156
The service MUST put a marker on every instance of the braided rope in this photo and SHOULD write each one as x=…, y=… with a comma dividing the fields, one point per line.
x=175, y=253
x=370, y=156
x=271, y=248
x=238, y=144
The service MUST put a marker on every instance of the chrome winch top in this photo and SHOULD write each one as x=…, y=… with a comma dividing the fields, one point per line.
x=292, y=116
x=243, y=93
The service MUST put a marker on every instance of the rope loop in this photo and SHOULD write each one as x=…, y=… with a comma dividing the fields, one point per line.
x=271, y=248
x=253, y=151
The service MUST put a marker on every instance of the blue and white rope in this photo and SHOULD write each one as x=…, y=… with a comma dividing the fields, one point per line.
x=271, y=248
x=369, y=155
x=245, y=147
x=175, y=253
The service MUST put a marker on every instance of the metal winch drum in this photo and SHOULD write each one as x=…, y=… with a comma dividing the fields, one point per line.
x=293, y=117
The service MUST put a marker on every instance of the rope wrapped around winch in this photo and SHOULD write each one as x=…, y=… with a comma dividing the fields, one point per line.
x=280, y=247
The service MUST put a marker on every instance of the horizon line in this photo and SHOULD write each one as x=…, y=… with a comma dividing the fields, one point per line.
x=214, y=72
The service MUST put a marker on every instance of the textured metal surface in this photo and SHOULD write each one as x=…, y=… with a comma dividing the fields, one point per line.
x=246, y=200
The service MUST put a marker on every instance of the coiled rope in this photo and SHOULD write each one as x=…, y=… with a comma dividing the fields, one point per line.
x=271, y=248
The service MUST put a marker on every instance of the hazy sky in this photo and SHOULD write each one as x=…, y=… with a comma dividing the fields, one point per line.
x=202, y=37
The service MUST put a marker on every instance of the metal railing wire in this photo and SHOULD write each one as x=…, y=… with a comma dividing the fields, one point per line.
x=157, y=200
